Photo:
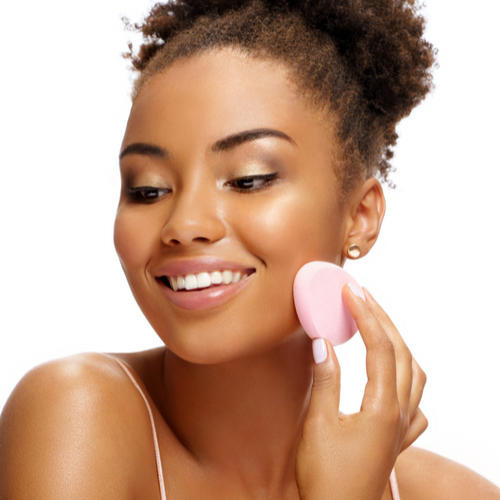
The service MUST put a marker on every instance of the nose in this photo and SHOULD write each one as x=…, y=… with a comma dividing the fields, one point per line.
x=195, y=217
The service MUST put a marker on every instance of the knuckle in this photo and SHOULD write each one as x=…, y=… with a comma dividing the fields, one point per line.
x=425, y=423
x=419, y=376
x=325, y=379
x=315, y=426
x=405, y=356
x=385, y=345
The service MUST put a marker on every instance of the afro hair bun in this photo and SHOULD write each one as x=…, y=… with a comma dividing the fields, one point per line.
x=380, y=41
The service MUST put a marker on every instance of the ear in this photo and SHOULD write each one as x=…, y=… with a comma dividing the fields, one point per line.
x=366, y=210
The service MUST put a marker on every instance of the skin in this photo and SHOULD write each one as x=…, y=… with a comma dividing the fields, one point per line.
x=240, y=407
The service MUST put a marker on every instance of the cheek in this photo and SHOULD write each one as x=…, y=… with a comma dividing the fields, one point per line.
x=133, y=239
x=293, y=229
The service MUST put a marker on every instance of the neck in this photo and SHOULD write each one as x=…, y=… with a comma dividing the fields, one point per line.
x=257, y=404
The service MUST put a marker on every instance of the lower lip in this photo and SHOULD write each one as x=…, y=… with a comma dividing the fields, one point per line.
x=205, y=298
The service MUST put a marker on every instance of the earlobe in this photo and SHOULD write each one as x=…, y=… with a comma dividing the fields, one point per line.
x=366, y=212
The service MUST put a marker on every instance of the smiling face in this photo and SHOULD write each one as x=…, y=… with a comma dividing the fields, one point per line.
x=224, y=168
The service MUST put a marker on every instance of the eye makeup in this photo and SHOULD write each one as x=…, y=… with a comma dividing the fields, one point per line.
x=251, y=183
x=146, y=194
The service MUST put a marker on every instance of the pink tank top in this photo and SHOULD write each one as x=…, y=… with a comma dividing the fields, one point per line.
x=392, y=480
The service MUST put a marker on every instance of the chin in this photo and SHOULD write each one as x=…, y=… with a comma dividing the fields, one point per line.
x=228, y=345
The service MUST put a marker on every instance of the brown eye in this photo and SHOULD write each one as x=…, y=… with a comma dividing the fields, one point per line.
x=150, y=194
x=147, y=194
x=253, y=182
x=247, y=183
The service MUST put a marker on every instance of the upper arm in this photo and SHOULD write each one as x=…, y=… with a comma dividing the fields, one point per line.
x=423, y=475
x=60, y=436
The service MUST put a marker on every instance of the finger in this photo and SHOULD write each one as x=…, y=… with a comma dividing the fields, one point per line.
x=381, y=388
x=418, y=425
x=419, y=380
x=404, y=358
x=325, y=392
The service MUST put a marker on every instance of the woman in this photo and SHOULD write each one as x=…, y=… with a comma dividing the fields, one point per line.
x=246, y=158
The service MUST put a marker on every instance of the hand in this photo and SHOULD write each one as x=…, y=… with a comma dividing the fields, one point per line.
x=350, y=457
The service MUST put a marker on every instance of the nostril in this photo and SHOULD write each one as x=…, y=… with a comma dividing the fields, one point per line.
x=185, y=230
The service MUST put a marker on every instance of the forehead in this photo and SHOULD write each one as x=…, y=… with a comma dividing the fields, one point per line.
x=218, y=93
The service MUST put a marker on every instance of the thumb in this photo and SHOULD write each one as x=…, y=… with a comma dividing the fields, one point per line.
x=325, y=393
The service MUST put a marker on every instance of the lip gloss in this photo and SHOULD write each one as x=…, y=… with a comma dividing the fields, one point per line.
x=205, y=298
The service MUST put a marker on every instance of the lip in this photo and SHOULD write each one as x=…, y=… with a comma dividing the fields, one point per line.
x=195, y=266
x=205, y=298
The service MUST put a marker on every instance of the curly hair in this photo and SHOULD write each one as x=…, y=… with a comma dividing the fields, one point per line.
x=363, y=63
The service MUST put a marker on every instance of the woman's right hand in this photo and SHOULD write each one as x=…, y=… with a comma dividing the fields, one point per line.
x=350, y=457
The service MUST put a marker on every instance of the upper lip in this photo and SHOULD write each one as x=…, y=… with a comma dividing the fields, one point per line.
x=195, y=266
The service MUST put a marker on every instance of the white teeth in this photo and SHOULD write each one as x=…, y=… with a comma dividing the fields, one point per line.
x=216, y=278
x=205, y=279
x=191, y=283
x=227, y=277
x=181, y=283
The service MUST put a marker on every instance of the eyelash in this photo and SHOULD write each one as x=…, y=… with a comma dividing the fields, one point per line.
x=143, y=194
x=267, y=180
x=149, y=194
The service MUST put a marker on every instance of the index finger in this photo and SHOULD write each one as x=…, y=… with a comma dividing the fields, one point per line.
x=381, y=387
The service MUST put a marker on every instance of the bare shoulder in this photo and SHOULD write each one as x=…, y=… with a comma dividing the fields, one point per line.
x=423, y=475
x=67, y=431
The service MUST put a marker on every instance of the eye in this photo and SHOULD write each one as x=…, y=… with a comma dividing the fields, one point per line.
x=147, y=194
x=253, y=182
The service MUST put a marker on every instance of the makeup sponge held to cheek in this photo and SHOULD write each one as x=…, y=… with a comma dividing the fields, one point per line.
x=317, y=293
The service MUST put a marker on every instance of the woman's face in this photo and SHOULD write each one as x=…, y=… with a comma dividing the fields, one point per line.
x=224, y=168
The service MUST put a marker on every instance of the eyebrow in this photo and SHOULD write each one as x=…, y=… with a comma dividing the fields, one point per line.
x=234, y=140
x=140, y=148
x=225, y=144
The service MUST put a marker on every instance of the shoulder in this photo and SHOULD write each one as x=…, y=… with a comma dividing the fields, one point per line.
x=423, y=475
x=65, y=431
x=73, y=384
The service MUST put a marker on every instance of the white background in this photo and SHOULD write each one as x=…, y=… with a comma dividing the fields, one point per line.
x=64, y=104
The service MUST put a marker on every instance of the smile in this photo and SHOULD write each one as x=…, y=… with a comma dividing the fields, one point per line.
x=205, y=279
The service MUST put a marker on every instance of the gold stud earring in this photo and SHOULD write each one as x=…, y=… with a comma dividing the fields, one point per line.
x=354, y=251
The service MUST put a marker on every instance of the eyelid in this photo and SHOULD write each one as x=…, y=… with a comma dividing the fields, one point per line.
x=267, y=178
x=137, y=193
x=257, y=176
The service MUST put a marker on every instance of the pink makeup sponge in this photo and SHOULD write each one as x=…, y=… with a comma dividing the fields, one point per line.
x=317, y=292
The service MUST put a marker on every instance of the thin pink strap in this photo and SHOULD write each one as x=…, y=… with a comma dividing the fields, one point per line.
x=393, y=482
x=155, y=437
x=392, y=479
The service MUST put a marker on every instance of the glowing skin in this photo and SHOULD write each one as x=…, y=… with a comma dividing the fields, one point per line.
x=270, y=225
x=236, y=180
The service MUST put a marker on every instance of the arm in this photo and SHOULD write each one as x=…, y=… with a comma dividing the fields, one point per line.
x=423, y=475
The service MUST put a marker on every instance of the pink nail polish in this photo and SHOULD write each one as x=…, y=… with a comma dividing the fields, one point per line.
x=356, y=291
x=319, y=350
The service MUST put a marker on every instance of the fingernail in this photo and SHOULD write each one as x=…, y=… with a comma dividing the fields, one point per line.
x=355, y=291
x=319, y=350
